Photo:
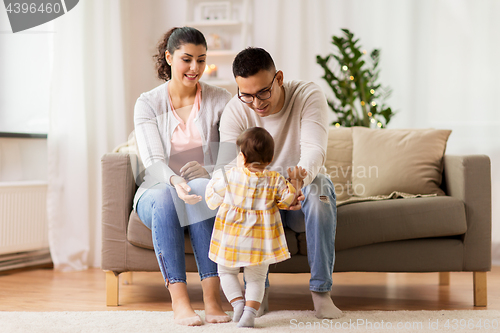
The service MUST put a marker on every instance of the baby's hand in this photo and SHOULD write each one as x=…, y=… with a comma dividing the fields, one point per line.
x=298, y=173
x=296, y=177
x=299, y=196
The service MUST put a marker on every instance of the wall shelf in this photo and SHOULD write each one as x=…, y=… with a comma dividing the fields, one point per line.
x=222, y=53
x=214, y=23
x=24, y=135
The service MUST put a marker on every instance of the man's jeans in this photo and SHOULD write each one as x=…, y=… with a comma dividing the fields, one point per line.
x=161, y=210
x=318, y=218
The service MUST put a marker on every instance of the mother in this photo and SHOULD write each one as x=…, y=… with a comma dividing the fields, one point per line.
x=175, y=124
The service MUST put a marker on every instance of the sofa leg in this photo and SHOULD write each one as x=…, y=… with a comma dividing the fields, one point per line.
x=444, y=278
x=126, y=277
x=480, y=289
x=111, y=288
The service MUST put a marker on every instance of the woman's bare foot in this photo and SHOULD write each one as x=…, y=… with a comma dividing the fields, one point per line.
x=213, y=303
x=183, y=312
x=190, y=321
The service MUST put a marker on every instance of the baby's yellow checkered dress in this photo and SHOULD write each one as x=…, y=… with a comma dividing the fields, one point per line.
x=248, y=229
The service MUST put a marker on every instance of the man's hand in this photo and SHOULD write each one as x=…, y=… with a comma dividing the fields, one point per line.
x=192, y=170
x=298, y=173
x=183, y=190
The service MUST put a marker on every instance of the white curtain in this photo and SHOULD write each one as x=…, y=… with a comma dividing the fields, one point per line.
x=87, y=119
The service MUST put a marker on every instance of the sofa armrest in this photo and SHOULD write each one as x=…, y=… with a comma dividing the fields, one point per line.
x=118, y=190
x=468, y=178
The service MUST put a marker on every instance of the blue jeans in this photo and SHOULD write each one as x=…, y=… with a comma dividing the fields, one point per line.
x=318, y=218
x=161, y=210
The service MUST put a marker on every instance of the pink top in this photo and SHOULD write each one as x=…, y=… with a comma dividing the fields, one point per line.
x=186, y=143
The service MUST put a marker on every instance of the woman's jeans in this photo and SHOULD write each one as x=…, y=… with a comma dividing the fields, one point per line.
x=161, y=210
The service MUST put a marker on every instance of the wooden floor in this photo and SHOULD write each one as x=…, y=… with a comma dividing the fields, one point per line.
x=49, y=290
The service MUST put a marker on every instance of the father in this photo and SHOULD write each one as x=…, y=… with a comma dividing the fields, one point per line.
x=295, y=113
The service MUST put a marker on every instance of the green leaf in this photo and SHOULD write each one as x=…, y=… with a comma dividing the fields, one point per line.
x=349, y=93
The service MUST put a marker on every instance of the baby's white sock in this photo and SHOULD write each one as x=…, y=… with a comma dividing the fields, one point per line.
x=248, y=318
x=238, y=309
x=264, y=305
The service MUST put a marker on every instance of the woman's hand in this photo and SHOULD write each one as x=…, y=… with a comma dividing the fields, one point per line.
x=183, y=190
x=192, y=170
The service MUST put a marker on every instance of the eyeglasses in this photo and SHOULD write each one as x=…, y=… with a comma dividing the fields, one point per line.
x=262, y=95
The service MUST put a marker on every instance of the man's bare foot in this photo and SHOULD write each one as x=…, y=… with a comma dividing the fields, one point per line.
x=324, y=307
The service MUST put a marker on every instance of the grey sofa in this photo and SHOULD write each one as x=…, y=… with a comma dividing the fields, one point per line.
x=432, y=234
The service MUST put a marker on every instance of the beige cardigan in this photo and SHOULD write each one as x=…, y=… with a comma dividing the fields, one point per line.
x=155, y=123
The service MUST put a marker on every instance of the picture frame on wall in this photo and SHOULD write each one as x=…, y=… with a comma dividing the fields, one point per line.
x=215, y=11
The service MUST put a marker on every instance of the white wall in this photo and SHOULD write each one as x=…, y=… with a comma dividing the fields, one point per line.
x=144, y=23
x=23, y=159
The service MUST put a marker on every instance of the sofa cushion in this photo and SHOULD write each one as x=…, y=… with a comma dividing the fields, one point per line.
x=372, y=222
x=140, y=235
x=339, y=160
x=137, y=232
x=387, y=160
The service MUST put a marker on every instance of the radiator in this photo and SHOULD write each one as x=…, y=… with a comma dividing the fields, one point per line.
x=23, y=223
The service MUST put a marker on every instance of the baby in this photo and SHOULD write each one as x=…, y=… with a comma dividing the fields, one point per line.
x=248, y=231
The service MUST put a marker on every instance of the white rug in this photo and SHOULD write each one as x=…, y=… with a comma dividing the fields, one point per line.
x=278, y=321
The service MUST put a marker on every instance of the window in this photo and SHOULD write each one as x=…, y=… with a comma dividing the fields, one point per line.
x=25, y=69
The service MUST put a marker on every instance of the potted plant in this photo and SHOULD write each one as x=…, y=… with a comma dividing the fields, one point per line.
x=359, y=97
